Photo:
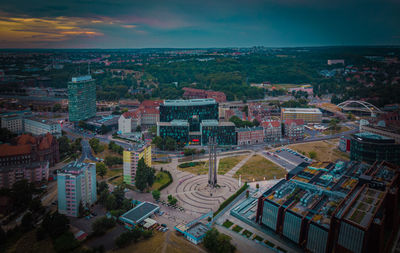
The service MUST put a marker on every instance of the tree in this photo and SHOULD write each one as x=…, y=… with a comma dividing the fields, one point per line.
x=144, y=175
x=111, y=202
x=56, y=107
x=156, y=194
x=153, y=130
x=21, y=193
x=138, y=129
x=65, y=243
x=216, y=242
x=170, y=143
x=312, y=154
x=158, y=141
x=172, y=200
x=101, y=225
x=81, y=209
x=101, y=169
x=333, y=124
x=55, y=224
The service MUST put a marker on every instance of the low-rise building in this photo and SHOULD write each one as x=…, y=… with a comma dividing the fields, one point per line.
x=131, y=159
x=103, y=124
x=294, y=129
x=76, y=184
x=309, y=115
x=250, y=135
x=128, y=122
x=272, y=130
x=37, y=126
x=35, y=172
x=138, y=214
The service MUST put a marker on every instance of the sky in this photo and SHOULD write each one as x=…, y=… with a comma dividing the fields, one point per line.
x=197, y=24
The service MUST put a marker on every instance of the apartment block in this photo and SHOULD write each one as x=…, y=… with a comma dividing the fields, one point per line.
x=76, y=183
x=131, y=159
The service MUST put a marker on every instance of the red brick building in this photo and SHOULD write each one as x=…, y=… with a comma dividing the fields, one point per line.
x=250, y=135
x=191, y=93
x=28, y=149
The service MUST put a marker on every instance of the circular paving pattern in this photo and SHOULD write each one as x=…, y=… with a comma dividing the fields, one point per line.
x=195, y=195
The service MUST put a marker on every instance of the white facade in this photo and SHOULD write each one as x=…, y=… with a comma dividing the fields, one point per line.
x=124, y=125
x=39, y=127
x=13, y=124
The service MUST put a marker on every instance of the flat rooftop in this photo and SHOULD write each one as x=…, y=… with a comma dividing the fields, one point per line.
x=198, y=230
x=140, y=212
x=369, y=135
x=44, y=121
x=301, y=110
x=213, y=122
x=189, y=102
x=175, y=122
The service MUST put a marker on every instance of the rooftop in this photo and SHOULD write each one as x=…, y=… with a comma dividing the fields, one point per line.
x=80, y=79
x=301, y=110
x=190, y=102
x=75, y=167
x=175, y=122
x=140, y=212
x=369, y=135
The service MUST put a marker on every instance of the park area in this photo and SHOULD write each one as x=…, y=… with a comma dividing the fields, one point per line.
x=326, y=150
x=197, y=168
x=257, y=168
x=227, y=163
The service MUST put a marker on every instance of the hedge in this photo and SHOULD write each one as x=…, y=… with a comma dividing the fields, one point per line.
x=231, y=198
x=170, y=180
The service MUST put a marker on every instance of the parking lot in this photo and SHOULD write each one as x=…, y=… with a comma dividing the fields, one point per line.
x=286, y=158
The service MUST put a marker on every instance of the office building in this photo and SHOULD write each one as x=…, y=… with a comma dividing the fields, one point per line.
x=176, y=129
x=76, y=183
x=37, y=126
x=309, y=115
x=35, y=172
x=81, y=98
x=369, y=147
x=131, y=159
x=328, y=207
x=223, y=131
x=138, y=214
x=194, y=111
x=387, y=131
x=250, y=135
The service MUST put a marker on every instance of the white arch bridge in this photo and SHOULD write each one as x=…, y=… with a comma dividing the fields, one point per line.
x=360, y=106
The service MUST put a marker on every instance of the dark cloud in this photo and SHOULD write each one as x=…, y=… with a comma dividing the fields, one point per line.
x=207, y=23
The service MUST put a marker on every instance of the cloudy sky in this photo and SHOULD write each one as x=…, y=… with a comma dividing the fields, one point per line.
x=203, y=23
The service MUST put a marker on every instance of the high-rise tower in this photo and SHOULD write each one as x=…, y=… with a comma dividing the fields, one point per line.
x=81, y=98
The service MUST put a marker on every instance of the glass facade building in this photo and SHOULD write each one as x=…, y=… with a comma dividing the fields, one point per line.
x=81, y=98
x=369, y=147
x=193, y=110
x=176, y=129
x=224, y=131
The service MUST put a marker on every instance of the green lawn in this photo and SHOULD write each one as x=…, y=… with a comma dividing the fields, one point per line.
x=162, y=178
x=198, y=168
x=257, y=168
x=227, y=163
x=117, y=181
x=113, y=172
x=227, y=224
x=258, y=238
x=237, y=228
x=247, y=233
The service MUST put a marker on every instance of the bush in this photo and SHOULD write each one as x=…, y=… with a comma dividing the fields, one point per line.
x=65, y=243
x=126, y=238
x=227, y=224
x=170, y=180
x=189, y=164
x=101, y=225
x=231, y=198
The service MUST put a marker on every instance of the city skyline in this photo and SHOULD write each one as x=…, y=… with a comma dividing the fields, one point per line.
x=192, y=24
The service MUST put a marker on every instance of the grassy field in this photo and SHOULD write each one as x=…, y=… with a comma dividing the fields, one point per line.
x=169, y=242
x=227, y=163
x=340, y=130
x=200, y=169
x=257, y=168
x=117, y=181
x=28, y=243
x=325, y=150
x=162, y=178
x=106, y=152
x=113, y=173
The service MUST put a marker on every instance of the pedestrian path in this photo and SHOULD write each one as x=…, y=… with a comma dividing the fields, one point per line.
x=232, y=172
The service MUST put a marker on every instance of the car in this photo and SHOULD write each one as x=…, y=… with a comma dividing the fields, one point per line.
x=164, y=225
x=94, y=214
